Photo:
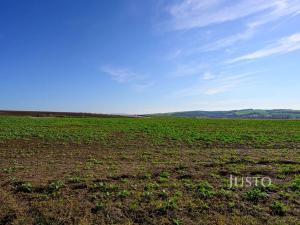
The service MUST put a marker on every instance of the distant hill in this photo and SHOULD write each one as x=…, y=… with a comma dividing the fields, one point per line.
x=245, y=113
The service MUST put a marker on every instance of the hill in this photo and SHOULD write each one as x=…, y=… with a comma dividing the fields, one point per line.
x=244, y=114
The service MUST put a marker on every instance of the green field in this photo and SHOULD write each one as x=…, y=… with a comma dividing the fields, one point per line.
x=148, y=171
x=154, y=131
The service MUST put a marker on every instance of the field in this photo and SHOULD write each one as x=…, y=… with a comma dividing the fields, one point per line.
x=148, y=171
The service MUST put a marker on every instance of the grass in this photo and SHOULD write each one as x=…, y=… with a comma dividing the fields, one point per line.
x=147, y=171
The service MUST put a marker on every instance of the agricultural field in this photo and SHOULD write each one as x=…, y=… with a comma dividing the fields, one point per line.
x=162, y=170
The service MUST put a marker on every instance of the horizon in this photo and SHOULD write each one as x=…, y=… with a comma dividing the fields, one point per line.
x=154, y=56
x=137, y=114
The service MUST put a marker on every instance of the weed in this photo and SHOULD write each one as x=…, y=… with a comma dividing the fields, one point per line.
x=204, y=190
x=163, y=194
x=133, y=206
x=123, y=194
x=231, y=205
x=169, y=204
x=272, y=188
x=9, y=170
x=285, y=195
x=279, y=208
x=124, y=180
x=98, y=207
x=202, y=205
x=296, y=184
x=164, y=177
x=256, y=195
x=146, y=196
x=25, y=187
x=76, y=179
x=188, y=184
x=103, y=187
x=147, y=176
x=56, y=185
x=152, y=186
x=95, y=161
x=224, y=193
x=177, y=221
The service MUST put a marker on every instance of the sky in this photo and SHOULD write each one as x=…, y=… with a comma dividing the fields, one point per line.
x=133, y=56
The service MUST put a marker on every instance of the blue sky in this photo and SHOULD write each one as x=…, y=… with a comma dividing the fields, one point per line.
x=132, y=56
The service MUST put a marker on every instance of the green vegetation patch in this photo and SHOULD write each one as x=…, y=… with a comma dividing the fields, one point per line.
x=153, y=131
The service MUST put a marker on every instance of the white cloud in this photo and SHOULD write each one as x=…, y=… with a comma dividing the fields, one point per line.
x=174, y=54
x=208, y=76
x=136, y=81
x=121, y=75
x=218, y=90
x=229, y=41
x=283, y=8
x=282, y=46
x=226, y=84
x=219, y=84
x=190, y=14
x=142, y=86
x=189, y=69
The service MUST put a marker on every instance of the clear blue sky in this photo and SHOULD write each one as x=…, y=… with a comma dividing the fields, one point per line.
x=133, y=56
